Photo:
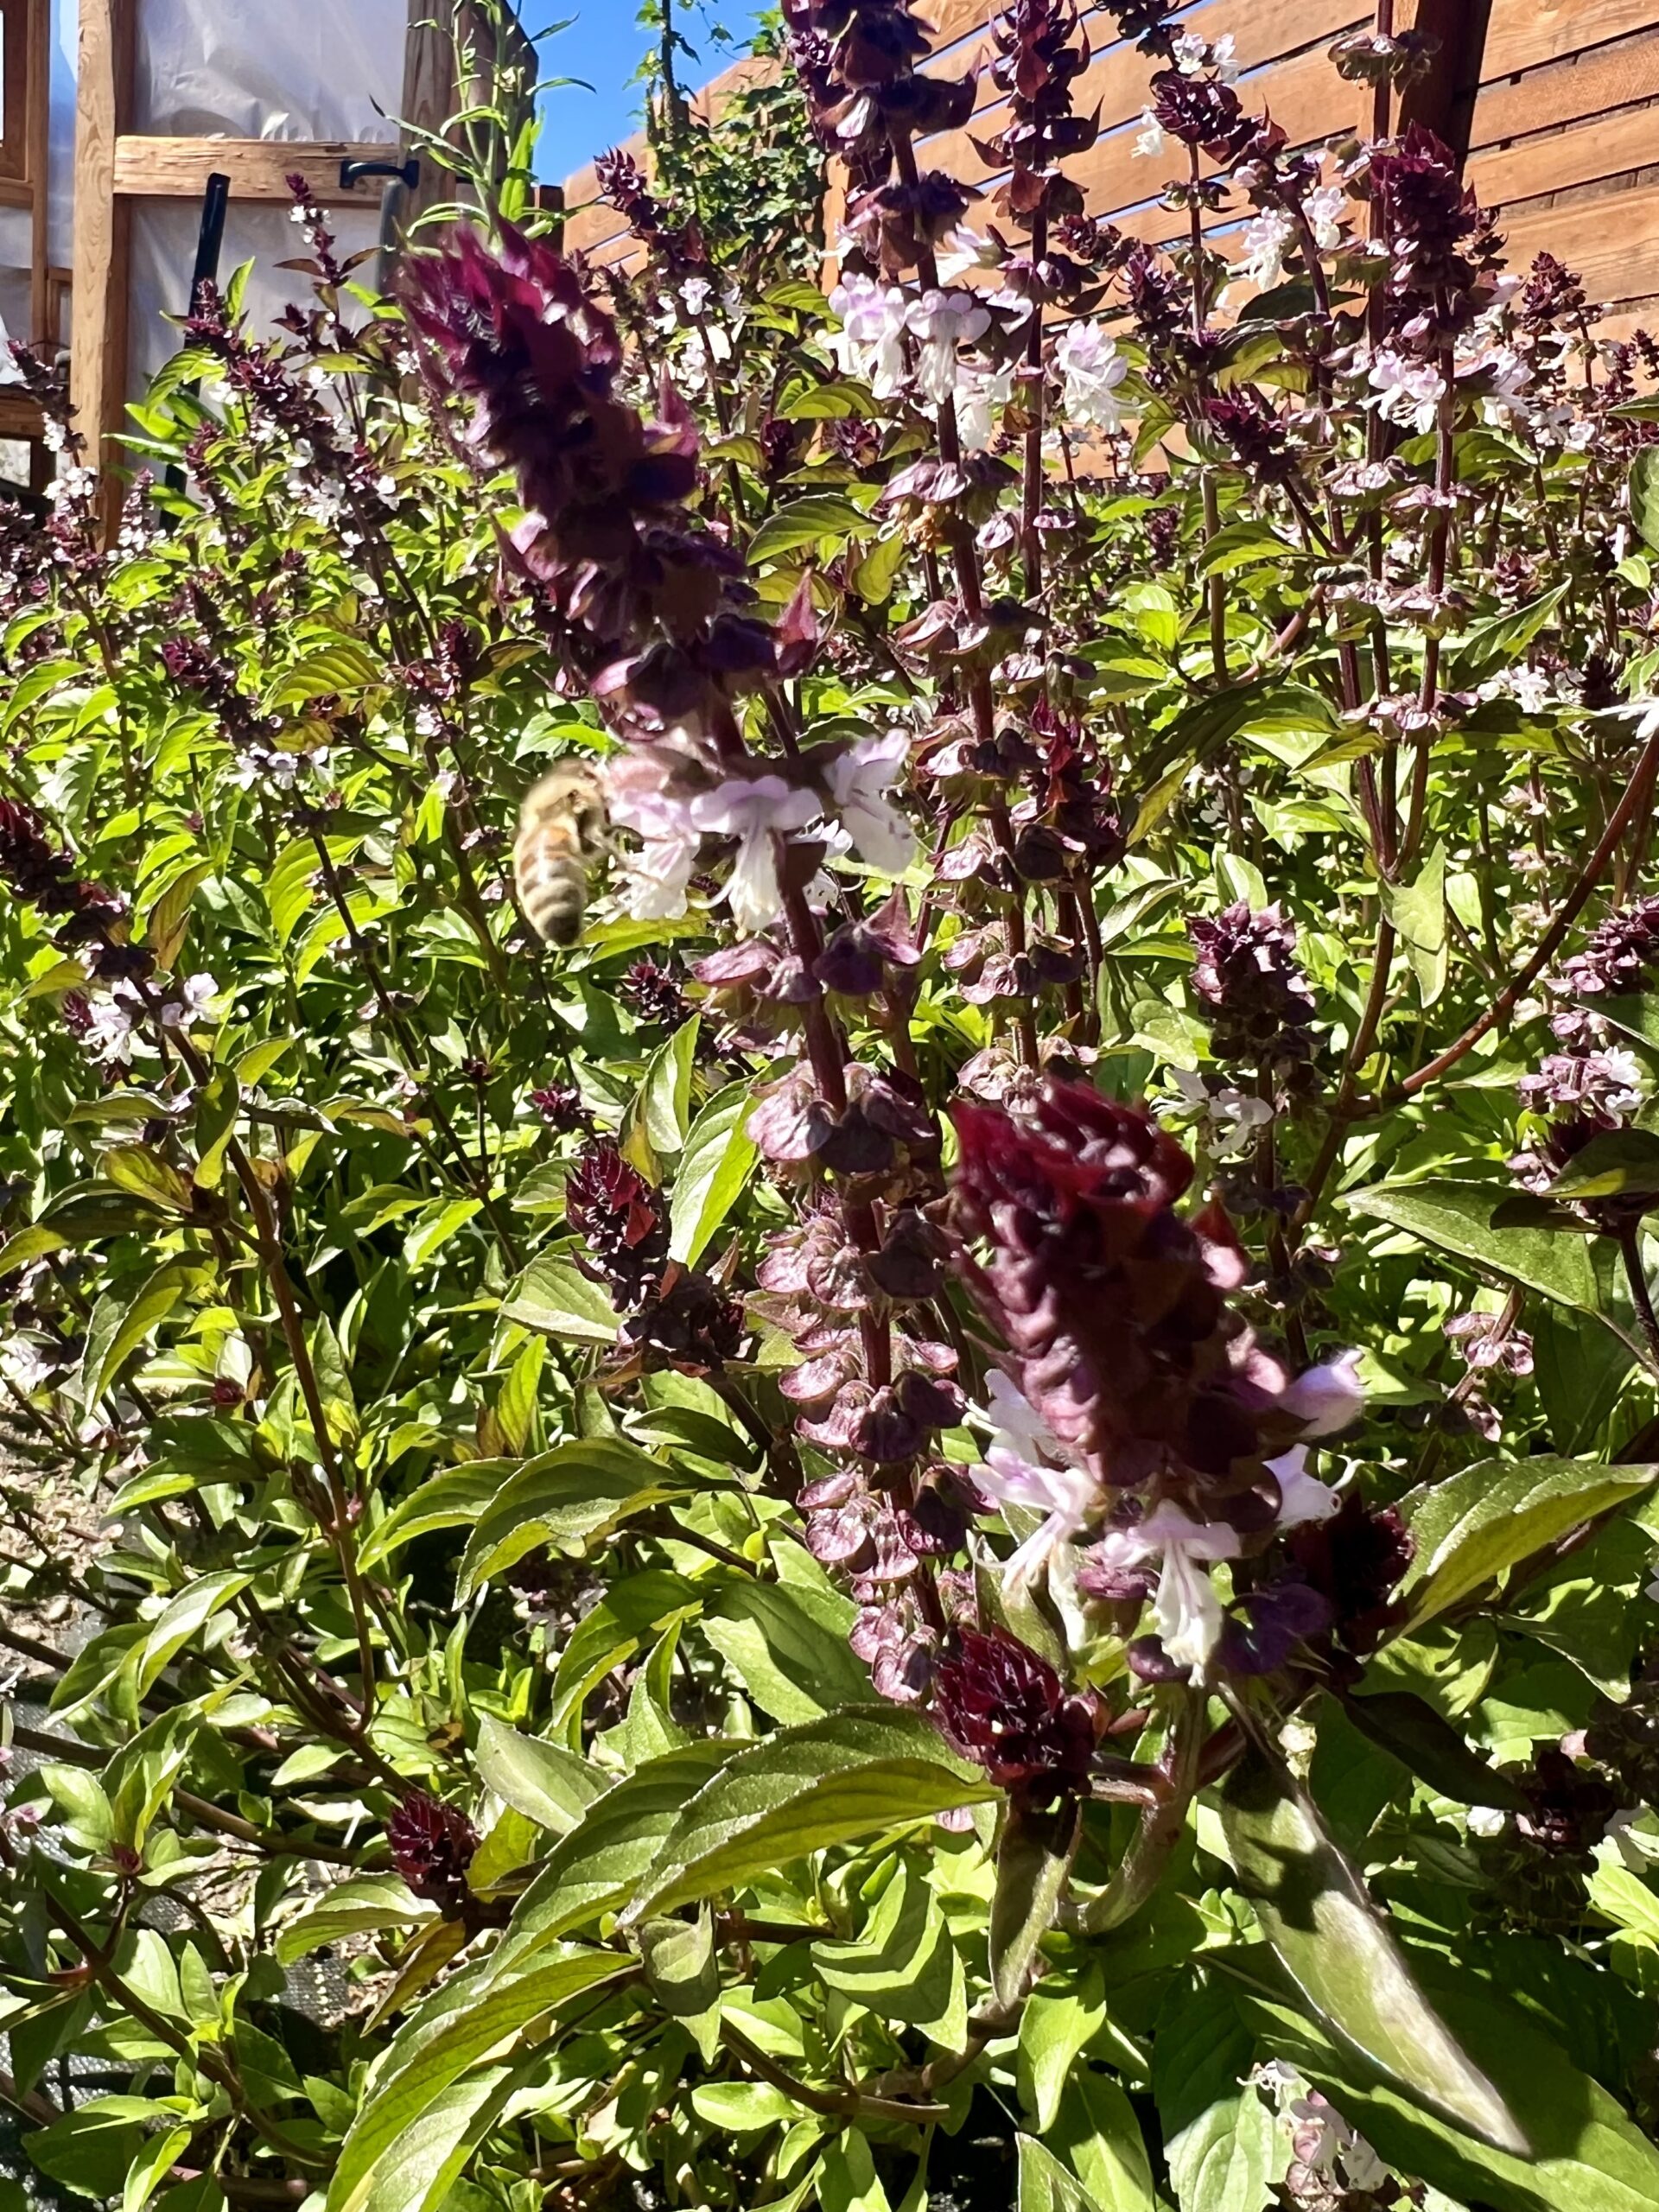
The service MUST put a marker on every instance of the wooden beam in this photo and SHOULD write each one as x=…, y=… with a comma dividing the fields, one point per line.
x=178, y=168
x=20, y=415
x=429, y=88
x=60, y=290
x=38, y=131
x=549, y=199
x=1443, y=98
x=444, y=39
x=103, y=233
x=15, y=25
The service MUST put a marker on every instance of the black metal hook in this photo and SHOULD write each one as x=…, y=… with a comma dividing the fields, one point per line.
x=352, y=173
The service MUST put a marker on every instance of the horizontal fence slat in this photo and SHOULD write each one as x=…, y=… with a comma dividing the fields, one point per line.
x=1300, y=94
x=1584, y=153
x=1612, y=244
x=1567, y=91
x=1624, y=323
x=588, y=228
x=1305, y=95
x=1559, y=111
x=1521, y=33
x=952, y=20
x=625, y=253
x=973, y=43
x=591, y=222
x=582, y=184
x=1116, y=80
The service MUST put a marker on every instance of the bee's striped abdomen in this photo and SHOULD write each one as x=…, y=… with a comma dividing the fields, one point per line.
x=560, y=830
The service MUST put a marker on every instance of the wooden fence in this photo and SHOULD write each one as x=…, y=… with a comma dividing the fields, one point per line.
x=1554, y=103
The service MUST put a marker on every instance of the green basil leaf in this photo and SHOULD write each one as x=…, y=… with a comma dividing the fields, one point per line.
x=570, y=1498
x=713, y=1172
x=1484, y=1519
x=832, y=1781
x=1339, y=1951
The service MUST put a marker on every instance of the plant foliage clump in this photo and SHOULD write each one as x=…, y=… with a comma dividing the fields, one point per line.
x=963, y=1510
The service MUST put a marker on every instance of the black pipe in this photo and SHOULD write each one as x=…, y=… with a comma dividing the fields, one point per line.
x=210, y=242
x=210, y=239
x=352, y=173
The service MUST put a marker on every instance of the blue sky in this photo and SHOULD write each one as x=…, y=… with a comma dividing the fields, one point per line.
x=604, y=44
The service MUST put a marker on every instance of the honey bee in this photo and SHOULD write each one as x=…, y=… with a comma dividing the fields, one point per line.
x=562, y=833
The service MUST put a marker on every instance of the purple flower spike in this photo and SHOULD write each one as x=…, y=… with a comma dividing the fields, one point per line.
x=621, y=1222
x=998, y=1703
x=432, y=1845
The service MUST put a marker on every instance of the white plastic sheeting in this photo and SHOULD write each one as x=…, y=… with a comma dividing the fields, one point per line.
x=269, y=69
x=16, y=227
x=164, y=253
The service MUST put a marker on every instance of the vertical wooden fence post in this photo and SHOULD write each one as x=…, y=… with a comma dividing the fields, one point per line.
x=429, y=83
x=103, y=230
x=39, y=112
x=431, y=94
x=1443, y=99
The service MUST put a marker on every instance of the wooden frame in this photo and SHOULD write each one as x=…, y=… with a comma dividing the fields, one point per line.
x=115, y=165
x=429, y=88
x=43, y=328
x=16, y=28
x=178, y=168
x=430, y=93
x=97, y=343
x=25, y=60
x=19, y=415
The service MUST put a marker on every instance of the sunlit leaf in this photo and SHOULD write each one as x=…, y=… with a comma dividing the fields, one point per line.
x=436, y=2048
x=553, y=1295
x=1339, y=1949
x=541, y=1779
x=1476, y=1523
x=569, y=1498
x=1457, y=1217
x=832, y=1781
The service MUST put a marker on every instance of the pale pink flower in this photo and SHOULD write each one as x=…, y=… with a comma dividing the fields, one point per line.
x=1328, y=1397
x=656, y=877
x=859, y=781
x=978, y=392
x=1302, y=1497
x=1093, y=369
x=1268, y=240
x=943, y=322
x=1408, y=392
x=1324, y=209
x=870, y=342
x=1026, y=1465
x=196, y=995
x=1149, y=141
x=756, y=811
x=1187, y=1609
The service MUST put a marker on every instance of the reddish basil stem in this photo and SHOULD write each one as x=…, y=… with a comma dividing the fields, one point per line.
x=965, y=559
